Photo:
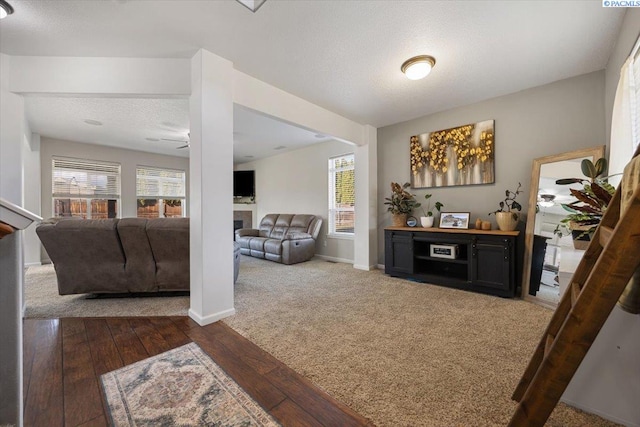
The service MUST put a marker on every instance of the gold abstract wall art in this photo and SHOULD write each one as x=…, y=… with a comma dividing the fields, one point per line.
x=463, y=155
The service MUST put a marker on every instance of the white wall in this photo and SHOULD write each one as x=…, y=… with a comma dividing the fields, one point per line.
x=608, y=381
x=550, y=119
x=12, y=131
x=32, y=200
x=297, y=182
x=128, y=160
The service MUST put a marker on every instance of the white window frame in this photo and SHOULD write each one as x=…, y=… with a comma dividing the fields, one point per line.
x=84, y=190
x=332, y=232
x=161, y=196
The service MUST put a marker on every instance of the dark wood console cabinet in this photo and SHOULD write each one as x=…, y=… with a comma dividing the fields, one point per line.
x=486, y=261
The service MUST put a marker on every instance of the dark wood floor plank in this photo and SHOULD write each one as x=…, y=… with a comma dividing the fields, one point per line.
x=173, y=335
x=291, y=415
x=127, y=342
x=250, y=353
x=152, y=340
x=320, y=405
x=100, y=421
x=29, y=327
x=261, y=390
x=72, y=326
x=104, y=352
x=44, y=403
x=184, y=323
x=82, y=395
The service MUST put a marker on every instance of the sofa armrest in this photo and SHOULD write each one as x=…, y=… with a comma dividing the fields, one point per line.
x=241, y=232
x=297, y=236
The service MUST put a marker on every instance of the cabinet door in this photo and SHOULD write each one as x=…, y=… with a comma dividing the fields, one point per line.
x=492, y=265
x=398, y=249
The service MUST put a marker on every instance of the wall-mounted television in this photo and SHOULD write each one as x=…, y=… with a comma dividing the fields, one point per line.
x=244, y=184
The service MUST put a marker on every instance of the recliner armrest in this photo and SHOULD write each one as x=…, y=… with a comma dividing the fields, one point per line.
x=297, y=236
x=247, y=232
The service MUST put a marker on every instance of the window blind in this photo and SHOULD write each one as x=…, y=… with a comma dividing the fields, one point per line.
x=157, y=183
x=73, y=178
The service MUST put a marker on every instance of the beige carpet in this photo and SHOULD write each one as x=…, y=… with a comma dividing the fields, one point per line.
x=398, y=352
x=42, y=301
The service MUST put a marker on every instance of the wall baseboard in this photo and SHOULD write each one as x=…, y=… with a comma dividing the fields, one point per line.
x=602, y=414
x=365, y=267
x=211, y=318
x=334, y=259
x=32, y=264
x=381, y=267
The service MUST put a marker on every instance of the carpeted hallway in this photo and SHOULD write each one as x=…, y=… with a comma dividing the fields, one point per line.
x=397, y=352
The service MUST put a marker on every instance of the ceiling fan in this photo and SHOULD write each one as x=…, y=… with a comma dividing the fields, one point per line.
x=186, y=143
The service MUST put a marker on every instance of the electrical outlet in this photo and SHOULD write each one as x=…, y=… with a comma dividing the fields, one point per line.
x=325, y=243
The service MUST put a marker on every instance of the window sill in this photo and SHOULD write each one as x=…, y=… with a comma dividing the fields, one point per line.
x=341, y=236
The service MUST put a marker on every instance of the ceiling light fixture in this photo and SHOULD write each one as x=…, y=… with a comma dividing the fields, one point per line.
x=418, y=67
x=252, y=5
x=5, y=9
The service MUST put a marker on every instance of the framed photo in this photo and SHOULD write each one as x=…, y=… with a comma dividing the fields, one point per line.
x=454, y=220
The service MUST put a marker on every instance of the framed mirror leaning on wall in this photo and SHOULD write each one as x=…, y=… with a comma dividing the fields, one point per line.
x=551, y=253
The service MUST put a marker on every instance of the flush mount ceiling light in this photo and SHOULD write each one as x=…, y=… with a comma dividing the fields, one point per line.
x=5, y=9
x=252, y=5
x=418, y=67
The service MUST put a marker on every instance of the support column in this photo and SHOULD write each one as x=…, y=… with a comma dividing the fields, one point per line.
x=211, y=188
x=365, y=245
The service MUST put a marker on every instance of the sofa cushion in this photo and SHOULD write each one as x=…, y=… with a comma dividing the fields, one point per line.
x=169, y=240
x=266, y=225
x=86, y=254
x=257, y=243
x=281, y=226
x=140, y=267
x=273, y=246
x=300, y=223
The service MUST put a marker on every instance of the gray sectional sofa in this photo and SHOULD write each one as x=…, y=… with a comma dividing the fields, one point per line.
x=284, y=238
x=119, y=255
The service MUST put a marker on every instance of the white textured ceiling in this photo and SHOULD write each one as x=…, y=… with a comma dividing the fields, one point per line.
x=342, y=55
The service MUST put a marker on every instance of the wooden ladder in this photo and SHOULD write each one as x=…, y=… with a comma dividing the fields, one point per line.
x=606, y=268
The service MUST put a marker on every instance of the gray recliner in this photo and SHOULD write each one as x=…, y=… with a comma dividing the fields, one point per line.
x=283, y=238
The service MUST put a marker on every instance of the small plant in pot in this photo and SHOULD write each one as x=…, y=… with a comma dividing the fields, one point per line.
x=427, y=220
x=401, y=203
x=507, y=217
x=591, y=201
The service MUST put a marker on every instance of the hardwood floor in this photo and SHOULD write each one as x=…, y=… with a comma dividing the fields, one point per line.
x=64, y=358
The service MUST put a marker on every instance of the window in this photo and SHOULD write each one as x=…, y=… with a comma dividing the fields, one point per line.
x=342, y=195
x=160, y=192
x=85, y=188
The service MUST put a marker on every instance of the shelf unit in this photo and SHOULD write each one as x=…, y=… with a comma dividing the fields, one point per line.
x=486, y=261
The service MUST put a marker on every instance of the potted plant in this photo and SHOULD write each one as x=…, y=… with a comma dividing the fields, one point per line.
x=401, y=203
x=506, y=217
x=427, y=220
x=591, y=201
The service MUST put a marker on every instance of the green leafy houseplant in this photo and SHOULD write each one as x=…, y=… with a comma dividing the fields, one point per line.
x=509, y=204
x=429, y=212
x=401, y=201
x=591, y=201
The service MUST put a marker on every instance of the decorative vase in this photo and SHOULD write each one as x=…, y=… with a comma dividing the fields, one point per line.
x=399, y=220
x=506, y=220
x=427, y=221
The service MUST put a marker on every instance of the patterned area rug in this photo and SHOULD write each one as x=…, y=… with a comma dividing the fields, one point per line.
x=181, y=387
